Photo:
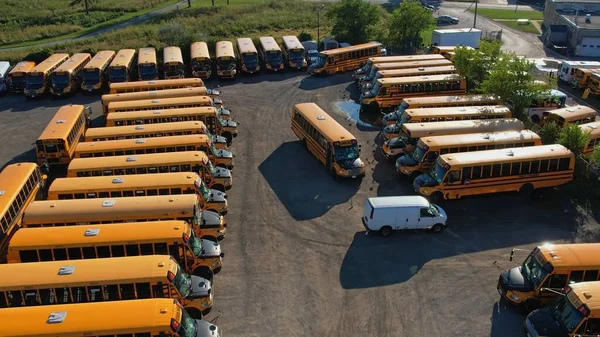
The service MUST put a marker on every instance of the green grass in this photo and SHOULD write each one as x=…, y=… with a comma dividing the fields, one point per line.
x=530, y=28
x=508, y=14
x=426, y=36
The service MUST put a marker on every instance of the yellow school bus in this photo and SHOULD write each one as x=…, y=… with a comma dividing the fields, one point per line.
x=449, y=55
x=95, y=72
x=366, y=68
x=293, y=52
x=592, y=131
x=144, y=131
x=576, y=310
x=550, y=266
x=150, y=95
x=343, y=59
x=218, y=178
x=578, y=114
x=200, y=60
x=594, y=84
x=225, y=59
x=77, y=212
x=248, y=56
x=138, y=185
x=150, y=317
x=516, y=169
x=446, y=114
x=103, y=280
x=56, y=145
x=67, y=78
x=411, y=132
x=404, y=72
x=147, y=64
x=121, y=68
x=270, y=54
x=198, y=256
x=22, y=183
x=370, y=78
x=389, y=92
x=327, y=140
x=430, y=148
x=38, y=79
x=16, y=76
x=120, y=88
x=157, y=104
x=225, y=128
x=582, y=77
x=173, y=65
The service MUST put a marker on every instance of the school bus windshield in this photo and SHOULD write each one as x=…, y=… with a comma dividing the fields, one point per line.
x=374, y=91
x=343, y=153
x=91, y=76
x=211, y=168
x=183, y=282
x=532, y=271
x=188, y=326
x=118, y=74
x=565, y=313
x=35, y=81
x=321, y=61
x=274, y=57
x=201, y=186
x=196, y=245
x=147, y=70
x=250, y=59
x=201, y=65
x=296, y=54
x=61, y=79
x=438, y=172
x=419, y=153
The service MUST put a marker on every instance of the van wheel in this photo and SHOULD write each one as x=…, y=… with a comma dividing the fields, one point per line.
x=437, y=228
x=385, y=231
x=526, y=190
x=436, y=197
x=194, y=313
x=219, y=187
x=414, y=175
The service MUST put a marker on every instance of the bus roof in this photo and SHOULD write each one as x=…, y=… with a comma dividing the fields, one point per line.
x=351, y=48
x=245, y=45
x=199, y=50
x=61, y=124
x=460, y=127
x=172, y=55
x=450, y=99
x=77, y=236
x=291, y=42
x=413, y=64
x=100, y=60
x=81, y=318
x=124, y=144
x=123, y=58
x=588, y=293
x=593, y=128
x=506, y=155
x=73, y=62
x=331, y=129
x=554, y=93
x=418, y=71
x=12, y=179
x=49, y=63
x=131, y=115
x=588, y=70
x=269, y=44
x=224, y=49
x=192, y=82
x=147, y=55
x=4, y=67
x=574, y=112
x=419, y=79
x=154, y=94
x=582, y=255
x=458, y=111
x=136, y=160
x=397, y=201
x=477, y=138
x=130, y=181
x=404, y=58
x=149, y=103
x=80, y=210
x=22, y=67
x=115, y=131
x=131, y=269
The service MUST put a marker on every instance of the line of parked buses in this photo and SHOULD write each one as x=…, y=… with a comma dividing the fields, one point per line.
x=127, y=243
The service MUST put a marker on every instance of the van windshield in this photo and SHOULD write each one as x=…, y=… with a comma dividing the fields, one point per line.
x=433, y=210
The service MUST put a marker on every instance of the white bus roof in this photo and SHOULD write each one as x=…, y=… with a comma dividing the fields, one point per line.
x=404, y=201
x=4, y=68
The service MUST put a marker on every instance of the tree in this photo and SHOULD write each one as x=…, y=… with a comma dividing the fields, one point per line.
x=86, y=3
x=352, y=20
x=573, y=138
x=549, y=133
x=476, y=64
x=406, y=24
x=595, y=157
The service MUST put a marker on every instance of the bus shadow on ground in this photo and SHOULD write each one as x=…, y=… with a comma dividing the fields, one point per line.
x=19, y=103
x=263, y=76
x=28, y=156
x=506, y=320
x=319, y=82
x=301, y=184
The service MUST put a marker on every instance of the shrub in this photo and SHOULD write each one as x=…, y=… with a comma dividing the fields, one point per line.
x=549, y=133
x=305, y=36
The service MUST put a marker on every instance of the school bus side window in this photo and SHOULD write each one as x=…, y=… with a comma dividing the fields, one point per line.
x=556, y=281
x=576, y=276
x=593, y=326
x=590, y=275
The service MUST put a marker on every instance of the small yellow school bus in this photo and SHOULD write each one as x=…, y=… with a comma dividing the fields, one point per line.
x=370, y=77
x=270, y=54
x=198, y=256
x=515, y=169
x=366, y=68
x=592, y=131
x=248, y=56
x=293, y=52
x=578, y=114
x=120, y=88
x=16, y=76
x=67, y=78
x=147, y=64
x=56, y=145
x=327, y=140
x=39, y=80
x=77, y=212
x=95, y=72
x=404, y=72
x=225, y=60
x=200, y=60
x=121, y=68
x=344, y=59
x=389, y=92
x=550, y=266
x=430, y=148
x=173, y=65
x=144, y=131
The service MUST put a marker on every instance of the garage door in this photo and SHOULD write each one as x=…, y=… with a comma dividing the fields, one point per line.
x=590, y=46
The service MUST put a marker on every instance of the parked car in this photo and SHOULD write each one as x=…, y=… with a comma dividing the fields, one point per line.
x=447, y=19
x=430, y=7
x=311, y=56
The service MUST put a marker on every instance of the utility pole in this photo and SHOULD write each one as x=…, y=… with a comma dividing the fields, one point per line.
x=319, y=27
x=475, y=18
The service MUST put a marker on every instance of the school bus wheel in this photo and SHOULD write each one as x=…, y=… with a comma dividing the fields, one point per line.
x=221, y=165
x=218, y=269
x=526, y=190
x=194, y=313
x=204, y=272
x=228, y=136
x=385, y=231
x=373, y=106
x=219, y=187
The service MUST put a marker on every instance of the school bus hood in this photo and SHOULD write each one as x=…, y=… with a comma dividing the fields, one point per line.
x=541, y=323
x=222, y=173
x=207, y=329
x=513, y=279
x=217, y=196
x=211, y=218
x=200, y=287
x=211, y=248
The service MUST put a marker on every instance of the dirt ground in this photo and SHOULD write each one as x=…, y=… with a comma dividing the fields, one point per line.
x=297, y=260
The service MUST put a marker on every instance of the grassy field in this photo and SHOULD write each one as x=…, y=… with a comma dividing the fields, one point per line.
x=23, y=22
x=530, y=28
x=508, y=14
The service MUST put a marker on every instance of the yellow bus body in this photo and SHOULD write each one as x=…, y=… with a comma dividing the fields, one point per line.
x=225, y=60
x=38, y=79
x=293, y=51
x=173, y=65
x=151, y=95
x=371, y=78
x=160, y=103
x=582, y=76
x=270, y=53
x=327, y=140
x=56, y=145
x=366, y=68
x=248, y=55
x=344, y=59
x=592, y=131
x=144, y=131
x=578, y=114
x=16, y=76
x=120, y=88
x=594, y=84
x=72, y=70
x=147, y=64
x=95, y=72
x=405, y=72
x=200, y=59
x=121, y=67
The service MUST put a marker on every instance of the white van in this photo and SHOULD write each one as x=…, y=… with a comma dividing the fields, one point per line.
x=4, y=68
x=385, y=214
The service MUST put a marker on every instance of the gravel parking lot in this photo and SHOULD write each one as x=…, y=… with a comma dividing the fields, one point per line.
x=297, y=260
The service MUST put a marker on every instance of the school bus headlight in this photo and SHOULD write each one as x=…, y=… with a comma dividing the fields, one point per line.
x=341, y=172
x=215, y=264
x=514, y=297
x=405, y=170
x=204, y=304
x=425, y=191
x=269, y=66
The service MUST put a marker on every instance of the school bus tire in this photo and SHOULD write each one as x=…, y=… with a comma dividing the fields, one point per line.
x=436, y=197
x=535, y=119
x=204, y=271
x=228, y=136
x=526, y=190
x=385, y=231
x=221, y=165
x=219, y=187
x=218, y=269
x=373, y=106
x=194, y=313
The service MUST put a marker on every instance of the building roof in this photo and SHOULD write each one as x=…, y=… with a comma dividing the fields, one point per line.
x=579, y=20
